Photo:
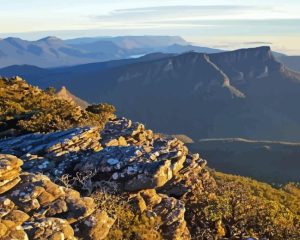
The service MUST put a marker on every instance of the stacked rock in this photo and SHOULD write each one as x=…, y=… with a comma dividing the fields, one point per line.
x=52, y=154
x=10, y=168
x=124, y=132
x=169, y=210
x=154, y=162
x=35, y=207
x=127, y=154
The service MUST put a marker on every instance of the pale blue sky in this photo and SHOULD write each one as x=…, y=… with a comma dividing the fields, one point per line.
x=217, y=23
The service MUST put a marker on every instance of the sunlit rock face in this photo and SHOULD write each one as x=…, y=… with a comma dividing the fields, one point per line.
x=126, y=153
x=33, y=207
x=146, y=165
x=53, y=153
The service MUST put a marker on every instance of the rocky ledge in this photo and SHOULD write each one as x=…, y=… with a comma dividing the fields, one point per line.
x=156, y=171
x=33, y=207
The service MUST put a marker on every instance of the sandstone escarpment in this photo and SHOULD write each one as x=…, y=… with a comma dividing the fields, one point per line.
x=156, y=171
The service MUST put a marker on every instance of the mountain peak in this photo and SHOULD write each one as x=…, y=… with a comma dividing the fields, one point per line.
x=259, y=58
x=13, y=39
x=50, y=39
x=64, y=94
x=63, y=90
x=263, y=51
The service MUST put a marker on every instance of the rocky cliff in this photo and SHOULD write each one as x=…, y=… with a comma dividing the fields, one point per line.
x=152, y=169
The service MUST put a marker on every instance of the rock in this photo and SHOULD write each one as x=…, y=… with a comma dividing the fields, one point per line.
x=192, y=176
x=37, y=208
x=132, y=156
x=10, y=230
x=168, y=209
x=153, y=167
x=49, y=228
x=37, y=193
x=147, y=162
x=121, y=132
x=10, y=167
x=53, y=153
x=154, y=175
x=95, y=227
x=112, y=161
x=17, y=216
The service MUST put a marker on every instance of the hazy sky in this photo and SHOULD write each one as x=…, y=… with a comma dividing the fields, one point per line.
x=217, y=23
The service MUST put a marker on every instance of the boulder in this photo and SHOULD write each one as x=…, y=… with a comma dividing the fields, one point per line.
x=95, y=227
x=49, y=228
x=168, y=209
x=10, y=167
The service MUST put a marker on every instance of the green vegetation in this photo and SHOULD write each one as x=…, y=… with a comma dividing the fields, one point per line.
x=27, y=108
x=128, y=225
x=239, y=207
x=102, y=111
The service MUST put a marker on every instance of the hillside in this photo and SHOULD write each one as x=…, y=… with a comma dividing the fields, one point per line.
x=123, y=181
x=292, y=62
x=267, y=161
x=222, y=95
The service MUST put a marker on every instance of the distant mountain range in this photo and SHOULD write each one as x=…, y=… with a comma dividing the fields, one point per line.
x=55, y=52
x=244, y=93
x=52, y=52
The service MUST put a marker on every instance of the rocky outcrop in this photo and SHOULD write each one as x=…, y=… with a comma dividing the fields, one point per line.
x=131, y=155
x=10, y=168
x=169, y=210
x=95, y=227
x=54, y=153
x=36, y=208
x=154, y=168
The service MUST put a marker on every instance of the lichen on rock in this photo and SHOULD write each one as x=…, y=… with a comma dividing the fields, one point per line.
x=151, y=167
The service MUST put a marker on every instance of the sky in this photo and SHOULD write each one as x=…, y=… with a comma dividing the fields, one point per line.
x=226, y=24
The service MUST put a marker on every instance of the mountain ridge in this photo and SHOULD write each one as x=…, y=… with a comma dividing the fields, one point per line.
x=238, y=101
x=54, y=52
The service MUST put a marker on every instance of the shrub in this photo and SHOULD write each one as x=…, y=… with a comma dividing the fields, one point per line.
x=30, y=109
x=241, y=208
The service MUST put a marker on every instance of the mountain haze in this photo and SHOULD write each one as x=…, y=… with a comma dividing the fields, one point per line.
x=244, y=93
x=55, y=52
